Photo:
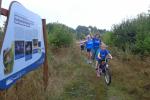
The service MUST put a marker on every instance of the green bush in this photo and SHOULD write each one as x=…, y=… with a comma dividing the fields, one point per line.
x=143, y=44
x=107, y=38
x=133, y=34
x=60, y=36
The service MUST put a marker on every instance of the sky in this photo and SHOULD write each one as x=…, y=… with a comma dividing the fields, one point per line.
x=100, y=13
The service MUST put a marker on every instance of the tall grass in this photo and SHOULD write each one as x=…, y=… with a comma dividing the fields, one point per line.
x=69, y=78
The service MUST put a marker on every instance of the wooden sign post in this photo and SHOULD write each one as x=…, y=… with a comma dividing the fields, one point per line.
x=3, y=11
x=45, y=65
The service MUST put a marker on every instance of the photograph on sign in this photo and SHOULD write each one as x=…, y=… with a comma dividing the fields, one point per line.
x=28, y=50
x=35, y=45
x=39, y=46
x=8, y=59
x=19, y=49
x=23, y=47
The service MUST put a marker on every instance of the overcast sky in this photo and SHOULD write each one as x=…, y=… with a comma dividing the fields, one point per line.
x=99, y=13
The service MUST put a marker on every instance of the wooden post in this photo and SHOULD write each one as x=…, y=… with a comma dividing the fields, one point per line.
x=2, y=10
x=0, y=4
x=45, y=65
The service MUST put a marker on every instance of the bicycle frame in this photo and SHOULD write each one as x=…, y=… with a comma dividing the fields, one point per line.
x=104, y=63
x=103, y=67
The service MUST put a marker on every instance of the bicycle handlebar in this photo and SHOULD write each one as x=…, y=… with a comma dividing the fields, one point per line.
x=106, y=59
x=109, y=58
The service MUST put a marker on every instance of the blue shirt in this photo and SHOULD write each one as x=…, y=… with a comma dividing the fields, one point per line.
x=96, y=42
x=103, y=53
x=89, y=44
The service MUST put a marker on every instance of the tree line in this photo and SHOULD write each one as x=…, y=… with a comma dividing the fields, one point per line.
x=61, y=35
x=82, y=31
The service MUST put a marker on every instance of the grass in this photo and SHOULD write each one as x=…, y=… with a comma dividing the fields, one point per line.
x=70, y=78
x=130, y=78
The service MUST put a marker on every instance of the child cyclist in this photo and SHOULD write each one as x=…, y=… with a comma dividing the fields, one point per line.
x=102, y=54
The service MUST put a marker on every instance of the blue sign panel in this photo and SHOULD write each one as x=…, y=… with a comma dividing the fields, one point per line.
x=23, y=47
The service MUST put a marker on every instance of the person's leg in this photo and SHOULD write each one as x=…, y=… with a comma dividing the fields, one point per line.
x=88, y=52
x=82, y=48
x=96, y=52
x=96, y=64
x=88, y=55
x=92, y=54
x=98, y=69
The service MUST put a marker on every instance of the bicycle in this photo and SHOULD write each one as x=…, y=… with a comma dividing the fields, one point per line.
x=104, y=70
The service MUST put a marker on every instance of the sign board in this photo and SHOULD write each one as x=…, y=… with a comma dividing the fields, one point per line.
x=23, y=47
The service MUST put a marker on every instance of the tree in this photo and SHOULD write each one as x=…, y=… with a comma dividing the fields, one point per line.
x=60, y=35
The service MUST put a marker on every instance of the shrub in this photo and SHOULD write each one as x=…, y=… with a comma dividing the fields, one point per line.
x=133, y=34
x=60, y=36
x=143, y=44
x=107, y=38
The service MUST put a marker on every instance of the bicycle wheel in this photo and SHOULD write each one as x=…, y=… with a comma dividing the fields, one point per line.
x=107, y=77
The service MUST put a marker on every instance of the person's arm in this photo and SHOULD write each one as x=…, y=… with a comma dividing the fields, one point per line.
x=91, y=36
x=99, y=56
x=109, y=55
x=81, y=42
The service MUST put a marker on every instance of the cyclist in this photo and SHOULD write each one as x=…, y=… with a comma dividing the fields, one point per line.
x=89, y=46
x=102, y=54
